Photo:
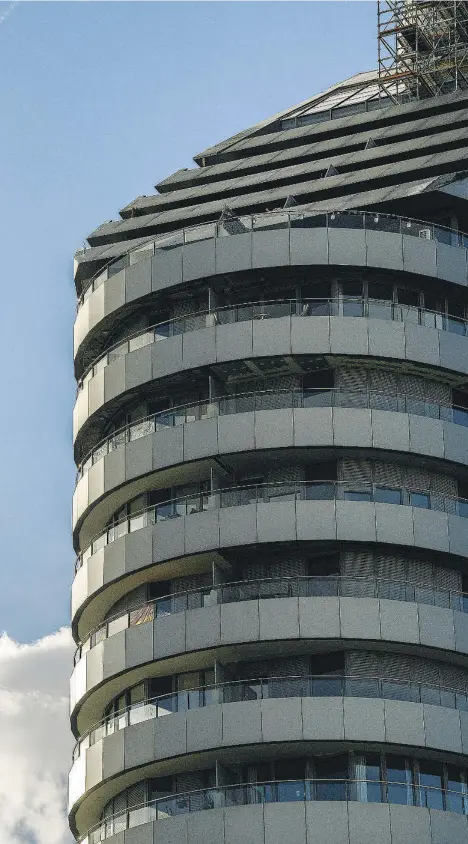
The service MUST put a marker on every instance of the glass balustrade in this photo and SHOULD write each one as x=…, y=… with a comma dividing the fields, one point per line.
x=272, y=220
x=238, y=496
x=270, y=400
x=286, y=587
x=270, y=688
x=283, y=791
x=343, y=307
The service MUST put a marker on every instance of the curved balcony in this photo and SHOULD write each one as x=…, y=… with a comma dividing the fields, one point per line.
x=274, y=493
x=183, y=642
x=353, y=337
x=359, y=790
x=269, y=400
x=366, y=221
x=275, y=309
x=278, y=587
x=271, y=688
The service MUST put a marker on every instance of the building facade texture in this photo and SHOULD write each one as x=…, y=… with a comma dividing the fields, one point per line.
x=271, y=508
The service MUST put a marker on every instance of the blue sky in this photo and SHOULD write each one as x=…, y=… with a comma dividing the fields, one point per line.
x=98, y=101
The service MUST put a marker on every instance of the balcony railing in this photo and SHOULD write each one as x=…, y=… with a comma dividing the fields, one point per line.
x=278, y=587
x=273, y=493
x=271, y=221
x=344, y=307
x=270, y=688
x=269, y=400
x=285, y=791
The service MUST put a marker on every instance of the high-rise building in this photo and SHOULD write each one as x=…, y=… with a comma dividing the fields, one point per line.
x=271, y=511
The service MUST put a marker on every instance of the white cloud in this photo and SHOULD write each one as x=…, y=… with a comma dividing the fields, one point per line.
x=35, y=739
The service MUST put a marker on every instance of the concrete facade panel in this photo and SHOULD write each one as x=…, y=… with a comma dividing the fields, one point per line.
x=322, y=719
x=409, y=823
x=349, y=336
x=236, y=433
x=419, y=256
x=279, y=618
x=384, y=250
x=310, y=335
x=289, y=824
x=234, y=253
x=442, y=728
x=276, y=522
x=198, y=259
x=166, y=268
x=431, y=529
x=238, y=526
x=308, y=246
x=347, y=247
x=313, y=427
x=245, y=730
x=451, y=264
x=327, y=821
x=360, y=618
x=404, y=723
x=137, y=280
x=355, y=521
x=274, y=430
x=352, y=427
x=234, y=341
x=270, y=248
x=371, y=728
x=365, y=820
x=272, y=337
x=281, y=720
x=244, y=825
x=204, y=728
x=422, y=344
x=319, y=618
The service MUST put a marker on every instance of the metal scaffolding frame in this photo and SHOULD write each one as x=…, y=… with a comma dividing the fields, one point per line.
x=422, y=48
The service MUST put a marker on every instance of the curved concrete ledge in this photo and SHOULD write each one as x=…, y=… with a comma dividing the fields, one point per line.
x=324, y=822
x=185, y=640
x=296, y=335
x=138, y=751
x=263, y=249
x=102, y=490
x=252, y=524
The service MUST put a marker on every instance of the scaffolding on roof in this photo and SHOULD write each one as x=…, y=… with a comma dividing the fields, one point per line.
x=422, y=48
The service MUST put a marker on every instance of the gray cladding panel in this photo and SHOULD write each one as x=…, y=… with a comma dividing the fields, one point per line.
x=137, y=281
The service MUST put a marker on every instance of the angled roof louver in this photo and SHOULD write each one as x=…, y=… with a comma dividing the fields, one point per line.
x=231, y=222
x=331, y=171
x=290, y=201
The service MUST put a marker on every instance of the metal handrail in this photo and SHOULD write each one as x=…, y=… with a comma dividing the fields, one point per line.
x=258, y=688
x=149, y=424
x=149, y=610
x=296, y=308
x=276, y=791
x=287, y=219
x=326, y=490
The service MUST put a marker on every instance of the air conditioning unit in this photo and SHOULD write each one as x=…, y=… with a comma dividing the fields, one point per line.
x=425, y=234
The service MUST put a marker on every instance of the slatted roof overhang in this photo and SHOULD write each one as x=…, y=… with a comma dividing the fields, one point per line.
x=307, y=191
x=345, y=162
x=240, y=147
x=359, y=78
x=382, y=136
